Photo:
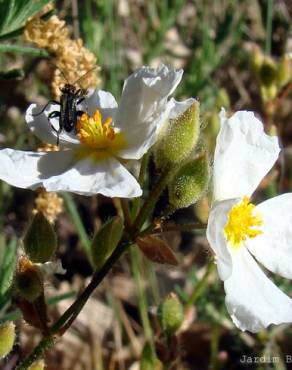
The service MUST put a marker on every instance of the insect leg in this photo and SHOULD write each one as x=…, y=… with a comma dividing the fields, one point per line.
x=54, y=115
x=80, y=100
x=50, y=102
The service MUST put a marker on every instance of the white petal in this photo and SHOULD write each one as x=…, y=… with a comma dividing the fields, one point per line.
x=180, y=107
x=20, y=168
x=243, y=155
x=88, y=177
x=147, y=135
x=102, y=100
x=252, y=300
x=144, y=107
x=44, y=128
x=273, y=248
x=51, y=267
x=216, y=222
x=27, y=170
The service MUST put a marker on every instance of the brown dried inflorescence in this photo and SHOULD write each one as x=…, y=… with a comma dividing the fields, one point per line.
x=49, y=203
x=72, y=57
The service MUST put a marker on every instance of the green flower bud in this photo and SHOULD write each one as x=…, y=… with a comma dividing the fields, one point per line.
x=269, y=92
x=7, y=338
x=28, y=280
x=268, y=72
x=40, y=241
x=256, y=59
x=179, y=138
x=37, y=365
x=105, y=240
x=222, y=99
x=202, y=209
x=189, y=183
x=284, y=71
x=171, y=314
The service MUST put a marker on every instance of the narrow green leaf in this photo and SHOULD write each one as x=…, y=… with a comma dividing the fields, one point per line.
x=14, y=13
x=13, y=74
x=19, y=49
x=7, y=266
x=76, y=219
x=105, y=241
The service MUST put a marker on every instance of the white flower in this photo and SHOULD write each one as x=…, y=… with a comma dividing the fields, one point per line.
x=91, y=160
x=238, y=231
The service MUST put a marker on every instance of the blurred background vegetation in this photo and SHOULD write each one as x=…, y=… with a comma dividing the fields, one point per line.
x=235, y=54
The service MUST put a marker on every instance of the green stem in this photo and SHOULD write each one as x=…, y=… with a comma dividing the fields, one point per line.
x=150, y=203
x=168, y=229
x=18, y=49
x=64, y=322
x=269, y=23
x=200, y=285
x=141, y=180
x=142, y=300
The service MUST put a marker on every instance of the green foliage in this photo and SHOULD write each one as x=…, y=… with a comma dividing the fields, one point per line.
x=40, y=240
x=148, y=361
x=14, y=14
x=7, y=266
x=12, y=74
x=105, y=241
x=7, y=338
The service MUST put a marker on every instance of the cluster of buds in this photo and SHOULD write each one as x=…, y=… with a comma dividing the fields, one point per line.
x=272, y=75
x=177, y=152
x=71, y=55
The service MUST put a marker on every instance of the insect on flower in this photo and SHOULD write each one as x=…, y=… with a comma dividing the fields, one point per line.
x=93, y=160
x=69, y=112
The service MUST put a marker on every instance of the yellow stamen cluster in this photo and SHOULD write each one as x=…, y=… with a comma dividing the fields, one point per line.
x=48, y=148
x=242, y=222
x=93, y=133
x=71, y=56
x=49, y=203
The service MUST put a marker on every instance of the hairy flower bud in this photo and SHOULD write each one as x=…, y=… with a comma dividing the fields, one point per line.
x=37, y=365
x=171, y=314
x=105, y=240
x=28, y=280
x=40, y=241
x=189, y=183
x=7, y=338
x=284, y=70
x=268, y=72
x=179, y=138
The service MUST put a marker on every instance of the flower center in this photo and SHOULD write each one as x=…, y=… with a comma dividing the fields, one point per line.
x=242, y=222
x=92, y=132
x=100, y=139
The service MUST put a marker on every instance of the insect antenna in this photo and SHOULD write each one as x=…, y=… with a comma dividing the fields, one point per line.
x=62, y=72
x=83, y=76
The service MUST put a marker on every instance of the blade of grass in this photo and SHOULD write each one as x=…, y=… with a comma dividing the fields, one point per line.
x=269, y=24
x=19, y=49
x=76, y=219
x=142, y=299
